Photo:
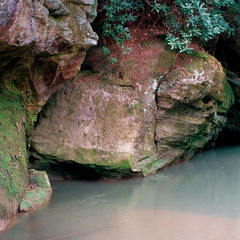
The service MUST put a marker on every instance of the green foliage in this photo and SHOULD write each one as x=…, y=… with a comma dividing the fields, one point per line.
x=182, y=45
x=185, y=21
x=202, y=20
x=118, y=13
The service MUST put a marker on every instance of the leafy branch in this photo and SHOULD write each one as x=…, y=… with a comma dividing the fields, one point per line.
x=185, y=21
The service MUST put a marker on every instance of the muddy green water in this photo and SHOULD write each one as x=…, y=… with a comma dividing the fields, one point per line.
x=196, y=200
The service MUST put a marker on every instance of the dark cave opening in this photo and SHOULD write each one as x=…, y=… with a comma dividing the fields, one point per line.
x=70, y=170
x=227, y=137
x=227, y=52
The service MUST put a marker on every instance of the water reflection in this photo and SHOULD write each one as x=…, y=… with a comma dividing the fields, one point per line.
x=198, y=199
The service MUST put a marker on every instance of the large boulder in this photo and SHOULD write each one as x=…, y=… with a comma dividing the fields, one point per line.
x=100, y=122
x=193, y=100
x=151, y=109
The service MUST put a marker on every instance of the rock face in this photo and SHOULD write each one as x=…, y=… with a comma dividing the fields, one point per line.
x=42, y=44
x=39, y=191
x=13, y=155
x=150, y=110
x=193, y=100
x=100, y=122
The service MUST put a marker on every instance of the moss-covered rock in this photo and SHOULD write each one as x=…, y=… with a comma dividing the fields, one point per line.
x=38, y=193
x=107, y=115
x=13, y=154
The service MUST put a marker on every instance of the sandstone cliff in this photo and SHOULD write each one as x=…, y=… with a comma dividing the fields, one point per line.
x=42, y=44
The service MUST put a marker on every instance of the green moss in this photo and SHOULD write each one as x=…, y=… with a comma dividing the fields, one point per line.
x=43, y=164
x=139, y=107
x=102, y=158
x=202, y=55
x=166, y=59
x=83, y=155
x=148, y=45
x=70, y=111
x=39, y=180
x=124, y=164
x=3, y=210
x=10, y=85
x=13, y=154
x=34, y=198
x=31, y=118
x=84, y=168
x=195, y=64
x=197, y=141
x=198, y=60
x=228, y=98
x=129, y=62
x=150, y=164
x=129, y=108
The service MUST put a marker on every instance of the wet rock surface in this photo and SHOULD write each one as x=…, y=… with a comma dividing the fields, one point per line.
x=38, y=193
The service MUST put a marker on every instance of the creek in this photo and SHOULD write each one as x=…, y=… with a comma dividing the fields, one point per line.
x=195, y=200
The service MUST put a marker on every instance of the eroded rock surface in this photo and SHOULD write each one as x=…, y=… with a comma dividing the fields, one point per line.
x=152, y=109
x=42, y=44
x=38, y=193
x=193, y=100
x=99, y=123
